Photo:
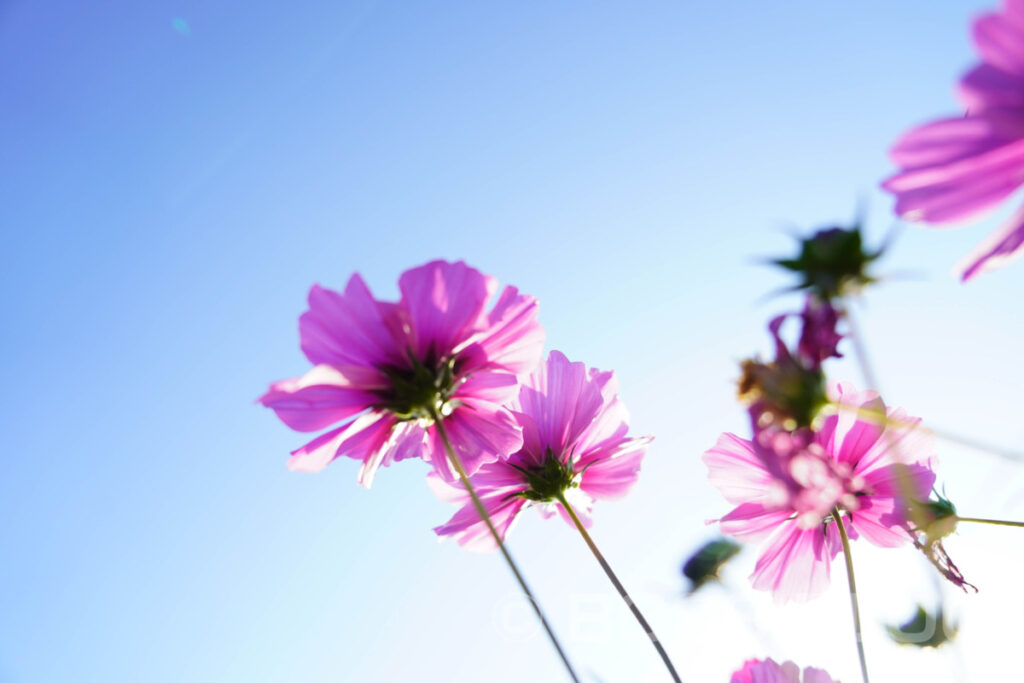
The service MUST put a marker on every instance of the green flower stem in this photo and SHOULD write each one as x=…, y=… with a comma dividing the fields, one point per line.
x=848, y=556
x=979, y=520
x=618, y=586
x=482, y=511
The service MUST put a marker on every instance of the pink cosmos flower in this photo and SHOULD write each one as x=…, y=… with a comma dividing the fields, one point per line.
x=957, y=168
x=785, y=487
x=575, y=448
x=384, y=371
x=769, y=671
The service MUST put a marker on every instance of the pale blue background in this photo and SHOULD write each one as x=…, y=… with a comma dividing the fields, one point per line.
x=170, y=189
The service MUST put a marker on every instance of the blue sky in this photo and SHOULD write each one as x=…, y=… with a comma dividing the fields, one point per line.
x=167, y=197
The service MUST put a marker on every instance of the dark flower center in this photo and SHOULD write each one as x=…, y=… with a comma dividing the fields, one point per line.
x=549, y=481
x=422, y=391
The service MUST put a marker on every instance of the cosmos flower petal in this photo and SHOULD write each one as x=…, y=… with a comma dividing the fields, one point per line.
x=880, y=521
x=1003, y=246
x=560, y=400
x=445, y=305
x=347, y=329
x=735, y=469
x=610, y=472
x=985, y=86
x=323, y=396
x=753, y=521
x=358, y=439
x=794, y=565
x=958, y=168
x=1000, y=42
x=857, y=425
x=471, y=531
x=480, y=432
x=513, y=339
x=904, y=441
x=941, y=142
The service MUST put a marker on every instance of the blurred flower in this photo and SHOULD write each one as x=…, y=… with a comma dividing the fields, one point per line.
x=769, y=671
x=387, y=371
x=819, y=339
x=785, y=392
x=703, y=566
x=924, y=629
x=575, y=449
x=957, y=168
x=786, y=485
x=832, y=263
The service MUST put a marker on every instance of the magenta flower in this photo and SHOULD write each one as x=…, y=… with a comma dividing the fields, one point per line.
x=575, y=449
x=769, y=671
x=786, y=485
x=957, y=168
x=385, y=371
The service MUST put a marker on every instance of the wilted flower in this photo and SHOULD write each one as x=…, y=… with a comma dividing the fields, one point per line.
x=769, y=671
x=819, y=337
x=785, y=485
x=387, y=371
x=957, y=168
x=933, y=521
x=786, y=392
x=575, y=450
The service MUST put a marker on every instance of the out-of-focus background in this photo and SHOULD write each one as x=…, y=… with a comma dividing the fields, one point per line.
x=175, y=175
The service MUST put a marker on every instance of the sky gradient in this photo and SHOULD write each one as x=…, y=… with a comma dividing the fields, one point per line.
x=175, y=175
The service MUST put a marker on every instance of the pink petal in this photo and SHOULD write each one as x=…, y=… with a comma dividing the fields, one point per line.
x=480, y=432
x=493, y=387
x=812, y=675
x=985, y=87
x=560, y=400
x=347, y=329
x=472, y=532
x=611, y=471
x=735, y=469
x=323, y=396
x=359, y=439
x=1000, y=42
x=612, y=421
x=997, y=250
x=752, y=521
x=445, y=304
x=941, y=142
x=905, y=441
x=890, y=481
x=795, y=564
x=849, y=434
x=880, y=522
x=513, y=339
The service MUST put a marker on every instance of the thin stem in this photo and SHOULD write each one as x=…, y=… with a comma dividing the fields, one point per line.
x=619, y=587
x=482, y=511
x=903, y=483
x=998, y=522
x=848, y=556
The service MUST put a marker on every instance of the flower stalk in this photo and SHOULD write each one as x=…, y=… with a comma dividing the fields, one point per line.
x=482, y=511
x=560, y=497
x=848, y=556
x=998, y=522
